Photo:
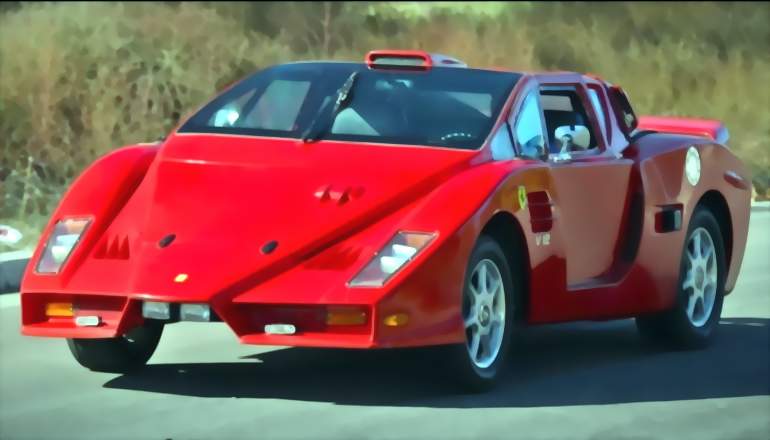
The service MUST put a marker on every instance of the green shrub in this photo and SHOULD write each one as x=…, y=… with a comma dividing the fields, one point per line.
x=82, y=78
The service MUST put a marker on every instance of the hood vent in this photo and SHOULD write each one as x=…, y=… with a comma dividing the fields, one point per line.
x=340, y=196
x=113, y=248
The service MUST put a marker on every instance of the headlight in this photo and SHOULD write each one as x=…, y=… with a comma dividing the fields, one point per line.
x=401, y=249
x=66, y=234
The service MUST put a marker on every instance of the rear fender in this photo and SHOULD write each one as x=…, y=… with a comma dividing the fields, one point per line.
x=665, y=185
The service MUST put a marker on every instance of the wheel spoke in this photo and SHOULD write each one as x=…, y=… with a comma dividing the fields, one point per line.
x=484, y=345
x=474, y=294
x=697, y=246
x=691, y=253
x=495, y=329
x=484, y=321
x=498, y=309
x=475, y=342
x=691, y=305
x=711, y=265
x=708, y=253
x=496, y=285
x=483, y=279
x=703, y=269
x=688, y=280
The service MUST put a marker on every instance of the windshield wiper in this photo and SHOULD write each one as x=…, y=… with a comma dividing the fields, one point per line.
x=344, y=96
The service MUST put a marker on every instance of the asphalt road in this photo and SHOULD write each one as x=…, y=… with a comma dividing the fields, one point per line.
x=587, y=380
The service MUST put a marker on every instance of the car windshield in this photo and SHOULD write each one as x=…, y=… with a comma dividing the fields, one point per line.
x=442, y=106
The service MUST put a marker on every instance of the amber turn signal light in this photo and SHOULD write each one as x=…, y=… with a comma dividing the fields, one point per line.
x=345, y=316
x=397, y=320
x=59, y=309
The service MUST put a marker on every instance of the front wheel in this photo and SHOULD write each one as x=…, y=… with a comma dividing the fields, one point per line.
x=123, y=354
x=489, y=292
x=693, y=320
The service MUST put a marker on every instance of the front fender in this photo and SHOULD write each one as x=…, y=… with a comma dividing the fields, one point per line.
x=98, y=193
x=430, y=290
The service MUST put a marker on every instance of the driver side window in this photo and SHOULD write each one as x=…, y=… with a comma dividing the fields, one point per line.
x=529, y=128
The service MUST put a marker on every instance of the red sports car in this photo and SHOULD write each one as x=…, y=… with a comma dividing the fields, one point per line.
x=405, y=201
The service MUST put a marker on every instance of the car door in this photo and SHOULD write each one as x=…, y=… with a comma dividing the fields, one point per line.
x=589, y=187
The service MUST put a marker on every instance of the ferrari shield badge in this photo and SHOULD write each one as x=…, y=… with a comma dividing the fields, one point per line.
x=522, y=197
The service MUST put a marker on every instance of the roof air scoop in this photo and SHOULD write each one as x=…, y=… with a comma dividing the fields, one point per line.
x=409, y=59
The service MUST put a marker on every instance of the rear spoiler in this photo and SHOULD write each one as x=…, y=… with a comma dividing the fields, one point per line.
x=709, y=128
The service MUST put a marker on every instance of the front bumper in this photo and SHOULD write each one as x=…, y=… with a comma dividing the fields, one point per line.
x=117, y=315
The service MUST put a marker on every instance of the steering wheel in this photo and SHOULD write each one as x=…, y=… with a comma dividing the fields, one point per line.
x=457, y=135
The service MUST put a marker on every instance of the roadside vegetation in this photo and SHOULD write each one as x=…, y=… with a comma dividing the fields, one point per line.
x=79, y=79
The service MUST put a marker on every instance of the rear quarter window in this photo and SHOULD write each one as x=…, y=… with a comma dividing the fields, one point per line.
x=596, y=102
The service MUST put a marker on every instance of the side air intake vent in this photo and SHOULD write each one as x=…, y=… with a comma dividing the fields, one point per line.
x=540, y=211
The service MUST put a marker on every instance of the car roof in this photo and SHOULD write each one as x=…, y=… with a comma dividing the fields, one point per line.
x=430, y=60
x=555, y=76
x=363, y=64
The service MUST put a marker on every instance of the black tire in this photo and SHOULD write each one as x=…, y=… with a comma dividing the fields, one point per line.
x=673, y=327
x=118, y=355
x=462, y=370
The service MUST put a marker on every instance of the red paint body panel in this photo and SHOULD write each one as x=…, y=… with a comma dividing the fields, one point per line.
x=332, y=205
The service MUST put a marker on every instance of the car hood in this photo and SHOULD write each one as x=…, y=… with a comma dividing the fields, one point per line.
x=243, y=207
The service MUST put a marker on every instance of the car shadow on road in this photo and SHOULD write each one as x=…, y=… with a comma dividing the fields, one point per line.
x=570, y=364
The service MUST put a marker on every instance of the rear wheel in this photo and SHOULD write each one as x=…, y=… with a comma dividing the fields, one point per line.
x=693, y=320
x=489, y=294
x=126, y=353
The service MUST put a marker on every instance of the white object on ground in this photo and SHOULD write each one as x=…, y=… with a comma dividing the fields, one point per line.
x=9, y=235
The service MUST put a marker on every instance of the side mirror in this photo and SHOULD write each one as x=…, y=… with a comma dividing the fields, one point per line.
x=572, y=136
